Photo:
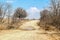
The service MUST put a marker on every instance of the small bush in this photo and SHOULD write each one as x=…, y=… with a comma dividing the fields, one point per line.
x=10, y=27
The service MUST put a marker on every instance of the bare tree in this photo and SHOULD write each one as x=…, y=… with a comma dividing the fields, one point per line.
x=55, y=6
x=8, y=12
x=45, y=15
x=19, y=13
x=52, y=17
x=1, y=12
x=5, y=10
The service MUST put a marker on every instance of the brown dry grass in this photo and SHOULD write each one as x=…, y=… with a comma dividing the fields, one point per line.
x=4, y=26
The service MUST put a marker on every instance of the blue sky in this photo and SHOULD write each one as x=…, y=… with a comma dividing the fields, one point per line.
x=33, y=7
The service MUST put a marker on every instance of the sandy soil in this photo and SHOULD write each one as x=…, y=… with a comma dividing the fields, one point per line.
x=28, y=34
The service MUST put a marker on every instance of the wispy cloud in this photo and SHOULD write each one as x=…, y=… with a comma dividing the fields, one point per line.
x=10, y=1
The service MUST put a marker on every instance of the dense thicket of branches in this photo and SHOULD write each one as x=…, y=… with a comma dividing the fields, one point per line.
x=19, y=14
x=52, y=16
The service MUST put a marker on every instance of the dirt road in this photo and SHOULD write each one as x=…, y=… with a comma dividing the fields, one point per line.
x=29, y=34
x=30, y=25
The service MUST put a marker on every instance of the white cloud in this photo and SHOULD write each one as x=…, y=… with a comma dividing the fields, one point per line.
x=33, y=12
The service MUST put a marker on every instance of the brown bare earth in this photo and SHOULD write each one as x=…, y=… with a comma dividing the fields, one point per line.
x=31, y=32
